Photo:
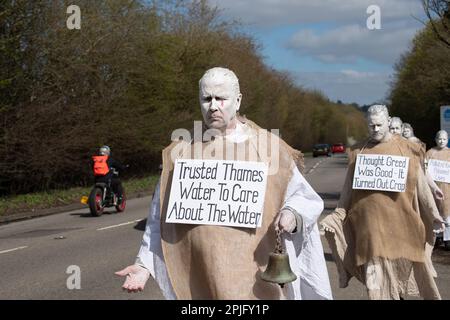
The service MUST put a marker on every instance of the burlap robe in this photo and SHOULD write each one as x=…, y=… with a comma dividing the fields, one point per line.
x=423, y=206
x=443, y=205
x=384, y=228
x=217, y=262
x=385, y=224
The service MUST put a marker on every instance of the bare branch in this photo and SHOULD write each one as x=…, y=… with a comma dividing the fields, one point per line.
x=440, y=10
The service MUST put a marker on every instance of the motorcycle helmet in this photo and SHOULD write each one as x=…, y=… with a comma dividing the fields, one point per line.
x=105, y=151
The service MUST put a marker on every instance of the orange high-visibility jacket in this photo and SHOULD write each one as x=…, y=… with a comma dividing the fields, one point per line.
x=100, y=165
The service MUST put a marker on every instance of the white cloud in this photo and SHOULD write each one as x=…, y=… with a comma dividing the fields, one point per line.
x=348, y=43
x=333, y=32
x=348, y=40
x=269, y=13
x=347, y=85
x=357, y=74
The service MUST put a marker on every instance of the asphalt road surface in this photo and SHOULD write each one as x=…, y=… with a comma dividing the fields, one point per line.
x=40, y=258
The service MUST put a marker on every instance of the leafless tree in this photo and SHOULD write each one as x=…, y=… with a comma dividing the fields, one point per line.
x=438, y=13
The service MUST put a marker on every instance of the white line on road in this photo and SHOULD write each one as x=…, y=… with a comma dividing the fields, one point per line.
x=315, y=166
x=119, y=225
x=9, y=250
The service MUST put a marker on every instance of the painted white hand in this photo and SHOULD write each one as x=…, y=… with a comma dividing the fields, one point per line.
x=136, y=277
x=328, y=229
x=285, y=221
x=438, y=226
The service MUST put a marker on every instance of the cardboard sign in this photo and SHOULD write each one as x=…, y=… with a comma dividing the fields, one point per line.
x=380, y=172
x=212, y=192
x=439, y=170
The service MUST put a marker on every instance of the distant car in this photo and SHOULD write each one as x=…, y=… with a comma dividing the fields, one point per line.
x=338, y=148
x=321, y=149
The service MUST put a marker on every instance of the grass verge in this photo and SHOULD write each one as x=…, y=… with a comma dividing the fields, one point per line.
x=55, y=198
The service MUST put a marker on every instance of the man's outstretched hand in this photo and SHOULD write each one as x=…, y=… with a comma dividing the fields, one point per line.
x=136, y=277
x=328, y=229
x=438, y=225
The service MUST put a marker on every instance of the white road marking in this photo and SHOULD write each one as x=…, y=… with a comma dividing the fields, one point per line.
x=120, y=225
x=10, y=250
x=315, y=166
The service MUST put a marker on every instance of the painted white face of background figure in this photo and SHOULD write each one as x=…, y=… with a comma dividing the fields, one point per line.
x=219, y=99
x=441, y=140
x=395, y=127
x=378, y=126
x=407, y=133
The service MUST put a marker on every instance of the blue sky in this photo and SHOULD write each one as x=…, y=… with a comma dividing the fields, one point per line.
x=325, y=44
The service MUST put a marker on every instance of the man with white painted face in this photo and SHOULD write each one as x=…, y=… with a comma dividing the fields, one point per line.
x=379, y=236
x=442, y=153
x=222, y=262
x=395, y=126
x=408, y=133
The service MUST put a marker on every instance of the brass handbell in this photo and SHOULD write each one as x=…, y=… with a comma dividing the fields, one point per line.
x=278, y=269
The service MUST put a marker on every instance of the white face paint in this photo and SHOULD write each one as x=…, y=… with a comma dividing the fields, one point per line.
x=378, y=126
x=407, y=133
x=441, y=140
x=219, y=102
x=395, y=128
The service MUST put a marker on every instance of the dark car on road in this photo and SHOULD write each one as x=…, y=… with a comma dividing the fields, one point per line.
x=338, y=148
x=321, y=149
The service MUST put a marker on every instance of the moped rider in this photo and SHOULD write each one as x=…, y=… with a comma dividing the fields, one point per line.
x=103, y=165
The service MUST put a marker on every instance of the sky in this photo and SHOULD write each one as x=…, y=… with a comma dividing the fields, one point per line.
x=326, y=44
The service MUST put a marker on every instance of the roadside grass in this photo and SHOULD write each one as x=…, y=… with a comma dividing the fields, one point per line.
x=55, y=198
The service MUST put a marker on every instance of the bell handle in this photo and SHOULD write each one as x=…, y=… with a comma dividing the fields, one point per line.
x=278, y=247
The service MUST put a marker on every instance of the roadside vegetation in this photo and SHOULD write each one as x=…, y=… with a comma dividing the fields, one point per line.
x=56, y=198
x=422, y=81
x=127, y=79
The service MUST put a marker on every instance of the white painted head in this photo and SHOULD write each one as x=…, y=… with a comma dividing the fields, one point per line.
x=220, y=98
x=441, y=139
x=407, y=130
x=395, y=126
x=378, y=123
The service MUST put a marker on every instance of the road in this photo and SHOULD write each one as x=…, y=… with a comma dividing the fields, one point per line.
x=38, y=257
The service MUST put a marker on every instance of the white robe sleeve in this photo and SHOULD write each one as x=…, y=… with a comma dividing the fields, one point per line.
x=301, y=197
x=305, y=247
x=150, y=254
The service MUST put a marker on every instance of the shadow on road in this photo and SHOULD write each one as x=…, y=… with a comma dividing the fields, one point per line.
x=141, y=225
x=440, y=255
x=88, y=215
x=328, y=256
x=330, y=196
